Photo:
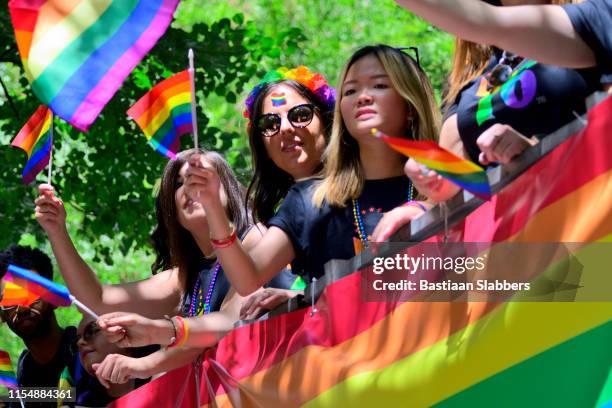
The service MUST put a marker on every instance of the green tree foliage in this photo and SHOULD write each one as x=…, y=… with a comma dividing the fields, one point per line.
x=109, y=173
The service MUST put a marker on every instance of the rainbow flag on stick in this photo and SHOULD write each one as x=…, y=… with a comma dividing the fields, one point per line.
x=77, y=53
x=15, y=295
x=50, y=291
x=36, y=139
x=7, y=375
x=164, y=113
x=464, y=173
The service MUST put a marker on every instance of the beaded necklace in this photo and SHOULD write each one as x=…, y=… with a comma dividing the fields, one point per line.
x=358, y=220
x=197, y=307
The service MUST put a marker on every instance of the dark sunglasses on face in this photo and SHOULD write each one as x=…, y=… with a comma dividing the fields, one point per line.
x=299, y=116
x=89, y=332
x=11, y=309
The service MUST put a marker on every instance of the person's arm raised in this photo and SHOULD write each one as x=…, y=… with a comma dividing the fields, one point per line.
x=541, y=32
x=152, y=297
x=247, y=271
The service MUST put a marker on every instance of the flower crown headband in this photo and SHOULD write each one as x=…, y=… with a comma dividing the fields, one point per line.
x=311, y=80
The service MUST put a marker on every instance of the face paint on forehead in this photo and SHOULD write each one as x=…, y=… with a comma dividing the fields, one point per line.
x=278, y=99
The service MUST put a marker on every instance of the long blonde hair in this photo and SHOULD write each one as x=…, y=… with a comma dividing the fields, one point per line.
x=470, y=60
x=344, y=176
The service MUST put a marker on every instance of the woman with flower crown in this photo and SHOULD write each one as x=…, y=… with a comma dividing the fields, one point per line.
x=331, y=218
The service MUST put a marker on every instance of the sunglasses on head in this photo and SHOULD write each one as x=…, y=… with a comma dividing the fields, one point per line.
x=299, y=116
x=412, y=52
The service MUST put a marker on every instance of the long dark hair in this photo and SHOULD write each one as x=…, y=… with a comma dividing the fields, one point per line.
x=173, y=244
x=270, y=184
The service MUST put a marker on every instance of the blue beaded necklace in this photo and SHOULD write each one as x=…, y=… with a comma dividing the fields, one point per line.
x=358, y=220
x=199, y=305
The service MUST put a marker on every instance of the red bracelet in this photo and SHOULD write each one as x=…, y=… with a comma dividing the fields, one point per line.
x=414, y=203
x=224, y=242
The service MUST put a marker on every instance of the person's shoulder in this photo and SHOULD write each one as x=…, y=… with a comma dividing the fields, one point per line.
x=579, y=13
x=306, y=186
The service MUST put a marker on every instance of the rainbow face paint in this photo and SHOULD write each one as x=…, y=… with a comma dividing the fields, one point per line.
x=278, y=99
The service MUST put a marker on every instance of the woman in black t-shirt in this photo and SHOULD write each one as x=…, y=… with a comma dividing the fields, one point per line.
x=381, y=87
x=283, y=154
x=498, y=104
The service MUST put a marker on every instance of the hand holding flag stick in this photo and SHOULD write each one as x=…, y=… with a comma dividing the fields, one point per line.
x=48, y=290
x=464, y=173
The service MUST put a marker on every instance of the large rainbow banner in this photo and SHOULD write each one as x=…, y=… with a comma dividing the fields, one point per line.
x=77, y=53
x=443, y=354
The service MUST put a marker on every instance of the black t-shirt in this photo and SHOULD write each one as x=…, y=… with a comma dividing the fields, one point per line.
x=592, y=20
x=536, y=100
x=205, y=277
x=321, y=234
x=32, y=374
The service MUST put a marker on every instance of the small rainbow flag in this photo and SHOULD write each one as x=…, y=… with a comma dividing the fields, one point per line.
x=50, y=291
x=36, y=139
x=464, y=173
x=164, y=113
x=77, y=53
x=17, y=296
x=7, y=375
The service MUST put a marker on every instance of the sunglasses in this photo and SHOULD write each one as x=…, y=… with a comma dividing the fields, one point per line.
x=10, y=309
x=89, y=332
x=501, y=72
x=299, y=116
x=412, y=52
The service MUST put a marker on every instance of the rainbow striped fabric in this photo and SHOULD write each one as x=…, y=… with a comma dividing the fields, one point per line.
x=36, y=139
x=77, y=53
x=14, y=295
x=464, y=173
x=164, y=113
x=442, y=354
x=50, y=291
x=7, y=375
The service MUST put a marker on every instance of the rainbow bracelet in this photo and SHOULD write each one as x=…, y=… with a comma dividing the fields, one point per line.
x=180, y=332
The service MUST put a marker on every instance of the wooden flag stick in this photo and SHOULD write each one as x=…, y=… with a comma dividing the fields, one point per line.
x=51, y=154
x=194, y=118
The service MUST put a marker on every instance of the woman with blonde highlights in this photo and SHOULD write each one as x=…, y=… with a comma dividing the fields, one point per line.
x=380, y=87
x=352, y=148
